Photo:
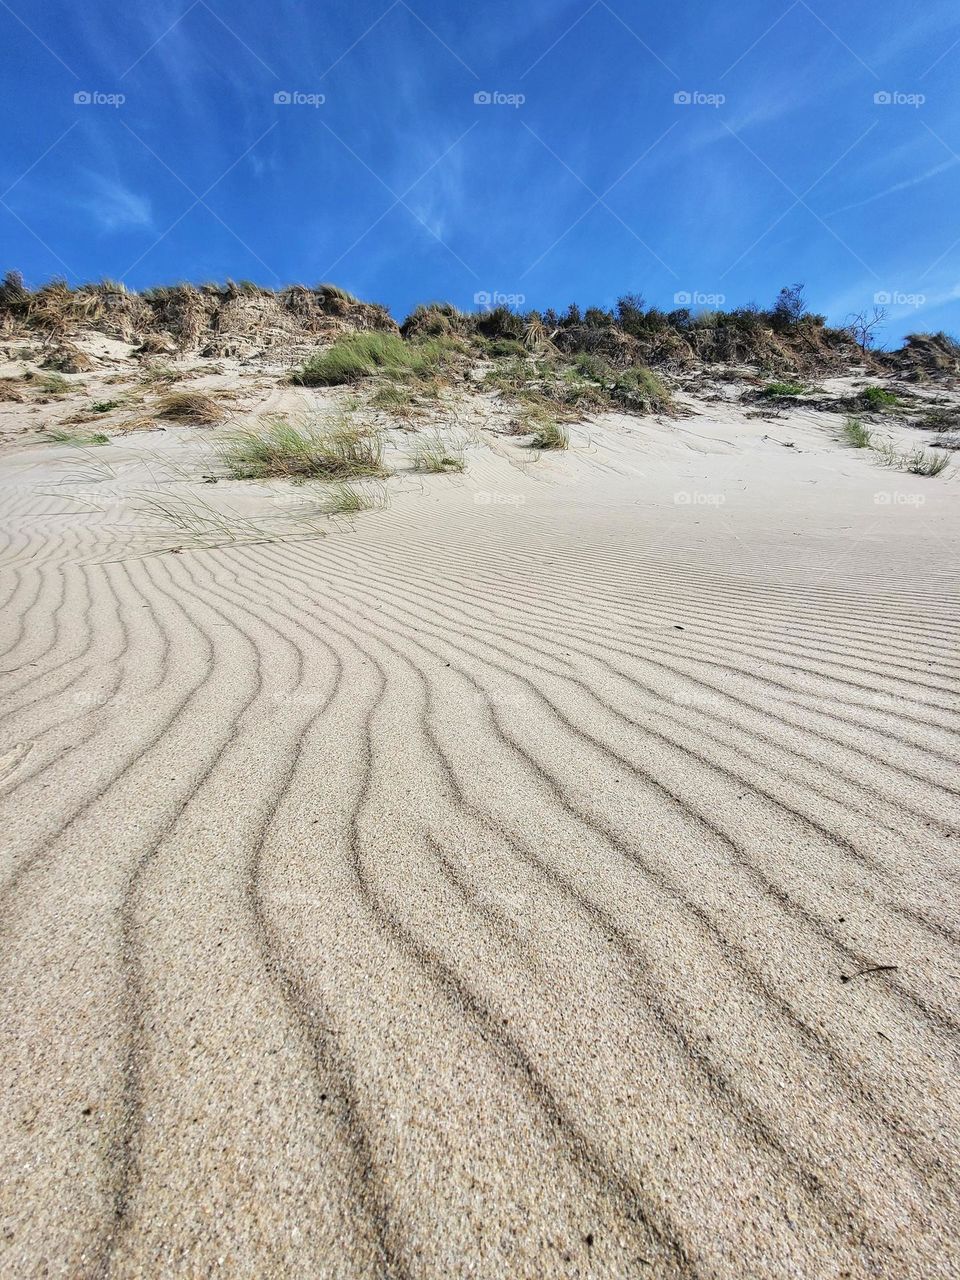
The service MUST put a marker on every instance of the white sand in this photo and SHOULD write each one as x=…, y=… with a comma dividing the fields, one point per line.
x=467, y=891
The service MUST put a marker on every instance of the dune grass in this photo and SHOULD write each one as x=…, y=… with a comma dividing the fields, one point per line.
x=919, y=461
x=311, y=450
x=585, y=384
x=640, y=390
x=137, y=422
x=436, y=457
x=551, y=435
x=159, y=375
x=926, y=462
x=58, y=436
x=346, y=500
x=876, y=399
x=856, y=434
x=191, y=406
x=363, y=355
x=396, y=398
x=775, y=390
x=53, y=384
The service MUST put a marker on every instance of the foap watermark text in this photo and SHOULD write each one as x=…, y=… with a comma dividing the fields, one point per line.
x=297, y=98
x=695, y=98
x=897, y=298
x=896, y=98
x=695, y=298
x=96, y=98
x=496, y=98
x=693, y=498
x=495, y=298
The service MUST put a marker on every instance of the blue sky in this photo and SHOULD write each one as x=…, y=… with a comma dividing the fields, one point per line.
x=668, y=149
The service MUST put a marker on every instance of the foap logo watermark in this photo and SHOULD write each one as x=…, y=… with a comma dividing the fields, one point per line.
x=695, y=98
x=496, y=98
x=296, y=98
x=897, y=498
x=487, y=499
x=96, y=98
x=897, y=298
x=686, y=298
x=485, y=298
x=694, y=498
x=896, y=98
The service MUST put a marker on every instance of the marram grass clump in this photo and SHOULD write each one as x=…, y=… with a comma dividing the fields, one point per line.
x=876, y=399
x=80, y=438
x=640, y=390
x=309, y=450
x=778, y=390
x=191, y=406
x=551, y=435
x=926, y=462
x=363, y=355
x=856, y=434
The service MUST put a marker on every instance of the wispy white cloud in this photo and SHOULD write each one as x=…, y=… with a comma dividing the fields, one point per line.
x=112, y=205
x=903, y=185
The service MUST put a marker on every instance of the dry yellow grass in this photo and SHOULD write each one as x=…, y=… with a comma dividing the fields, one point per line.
x=191, y=406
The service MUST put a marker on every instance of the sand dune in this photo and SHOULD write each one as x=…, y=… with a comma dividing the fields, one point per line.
x=480, y=888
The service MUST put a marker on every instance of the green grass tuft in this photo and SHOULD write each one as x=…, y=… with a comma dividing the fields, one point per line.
x=856, y=434
x=53, y=384
x=344, y=500
x=396, y=398
x=551, y=435
x=337, y=451
x=436, y=457
x=774, y=390
x=640, y=390
x=362, y=355
x=877, y=399
x=78, y=437
x=920, y=462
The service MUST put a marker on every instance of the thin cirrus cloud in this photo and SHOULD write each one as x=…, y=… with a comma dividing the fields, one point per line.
x=112, y=206
x=904, y=185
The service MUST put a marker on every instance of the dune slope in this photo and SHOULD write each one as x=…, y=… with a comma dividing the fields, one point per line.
x=491, y=886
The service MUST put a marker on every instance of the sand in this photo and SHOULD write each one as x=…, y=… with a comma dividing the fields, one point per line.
x=479, y=887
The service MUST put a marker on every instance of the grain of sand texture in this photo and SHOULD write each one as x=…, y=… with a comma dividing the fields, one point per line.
x=470, y=891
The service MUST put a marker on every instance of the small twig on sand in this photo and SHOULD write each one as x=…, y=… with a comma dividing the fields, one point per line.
x=877, y=968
